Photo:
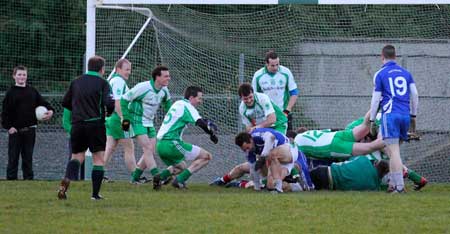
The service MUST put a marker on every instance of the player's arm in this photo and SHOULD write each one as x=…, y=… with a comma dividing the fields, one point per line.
x=167, y=103
x=108, y=99
x=67, y=100
x=268, y=122
x=293, y=92
x=7, y=108
x=414, y=104
x=209, y=127
x=269, y=140
x=67, y=120
x=255, y=84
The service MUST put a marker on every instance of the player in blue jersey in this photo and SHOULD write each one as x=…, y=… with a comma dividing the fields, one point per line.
x=266, y=146
x=394, y=87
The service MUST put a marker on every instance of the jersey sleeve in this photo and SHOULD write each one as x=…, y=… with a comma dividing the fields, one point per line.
x=378, y=85
x=255, y=85
x=266, y=105
x=167, y=101
x=291, y=81
x=118, y=87
x=193, y=114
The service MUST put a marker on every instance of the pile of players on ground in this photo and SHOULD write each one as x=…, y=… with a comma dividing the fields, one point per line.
x=305, y=160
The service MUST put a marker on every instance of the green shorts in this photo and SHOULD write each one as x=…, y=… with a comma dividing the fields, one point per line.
x=340, y=147
x=281, y=128
x=139, y=129
x=173, y=152
x=114, y=128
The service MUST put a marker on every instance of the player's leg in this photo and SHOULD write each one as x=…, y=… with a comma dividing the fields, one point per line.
x=418, y=180
x=28, y=141
x=367, y=148
x=14, y=146
x=79, y=144
x=147, y=142
x=97, y=144
x=111, y=145
x=128, y=148
x=360, y=131
x=279, y=156
x=200, y=159
x=172, y=154
x=394, y=128
x=235, y=173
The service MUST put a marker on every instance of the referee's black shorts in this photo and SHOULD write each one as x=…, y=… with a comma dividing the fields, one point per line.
x=90, y=136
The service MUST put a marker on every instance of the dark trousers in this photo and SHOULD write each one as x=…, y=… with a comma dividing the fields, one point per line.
x=21, y=143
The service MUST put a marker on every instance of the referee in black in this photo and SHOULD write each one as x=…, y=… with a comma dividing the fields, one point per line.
x=89, y=98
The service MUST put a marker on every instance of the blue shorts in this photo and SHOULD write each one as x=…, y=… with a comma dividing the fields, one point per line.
x=394, y=126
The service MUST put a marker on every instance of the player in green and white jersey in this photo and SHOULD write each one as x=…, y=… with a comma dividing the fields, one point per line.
x=171, y=148
x=325, y=144
x=360, y=173
x=278, y=83
x=139, y=106
x=114, y=133
x=258, y=111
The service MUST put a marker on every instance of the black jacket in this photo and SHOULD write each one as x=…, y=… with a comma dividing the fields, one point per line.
x=19, y=107
x=89, y=97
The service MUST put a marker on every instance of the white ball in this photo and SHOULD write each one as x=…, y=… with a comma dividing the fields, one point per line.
x=40, y=112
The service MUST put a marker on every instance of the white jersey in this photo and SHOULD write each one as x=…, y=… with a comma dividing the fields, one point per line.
x=257, y=113
x=276, y=86
x=180, y=114
x=315, y=138
x=118, y=86
x=144, y=100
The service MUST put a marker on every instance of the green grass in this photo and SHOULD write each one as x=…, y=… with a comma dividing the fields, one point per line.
x=32, y=207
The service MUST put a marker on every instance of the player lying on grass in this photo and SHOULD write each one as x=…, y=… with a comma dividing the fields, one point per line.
x=171, y=148
x=328, y=145
x=266, y=146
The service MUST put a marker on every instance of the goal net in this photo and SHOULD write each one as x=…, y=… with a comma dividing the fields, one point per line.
x=333, y=52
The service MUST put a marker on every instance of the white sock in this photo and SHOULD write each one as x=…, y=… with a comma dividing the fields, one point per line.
x=397, y=178
x=279, y=185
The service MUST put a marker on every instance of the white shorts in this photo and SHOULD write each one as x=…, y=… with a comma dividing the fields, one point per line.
x=294, y=153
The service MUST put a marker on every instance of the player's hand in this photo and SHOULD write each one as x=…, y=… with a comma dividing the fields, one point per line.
x=260, y=162
x=48, y=115
x=212, y=126
x=126, y=125
x=214, y=138
x=286, y=112
x=373, y=130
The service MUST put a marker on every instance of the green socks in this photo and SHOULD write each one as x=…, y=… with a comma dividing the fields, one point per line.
x=136, y=174
x=184, y=175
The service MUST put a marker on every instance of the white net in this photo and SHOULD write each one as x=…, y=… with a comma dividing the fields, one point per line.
x=333, y=52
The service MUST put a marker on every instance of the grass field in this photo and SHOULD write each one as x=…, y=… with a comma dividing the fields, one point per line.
x=32, y=207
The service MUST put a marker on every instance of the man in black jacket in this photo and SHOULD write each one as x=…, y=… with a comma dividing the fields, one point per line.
x=89, y=98
x=19, y=118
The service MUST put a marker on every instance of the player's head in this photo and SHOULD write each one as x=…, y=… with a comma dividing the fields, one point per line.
x=301, y=130
x=97, y=64
x=388, y=52
x=161, y=75
x=272, y=61
x=123, y=68
x=244, y=140
x=291, y=135
x=246, y=94
x=194, y=94
x=20, y=75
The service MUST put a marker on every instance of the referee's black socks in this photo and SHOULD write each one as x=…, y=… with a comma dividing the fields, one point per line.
x=97, y=177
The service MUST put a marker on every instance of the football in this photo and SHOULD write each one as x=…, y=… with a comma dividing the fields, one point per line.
x=40, y=112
